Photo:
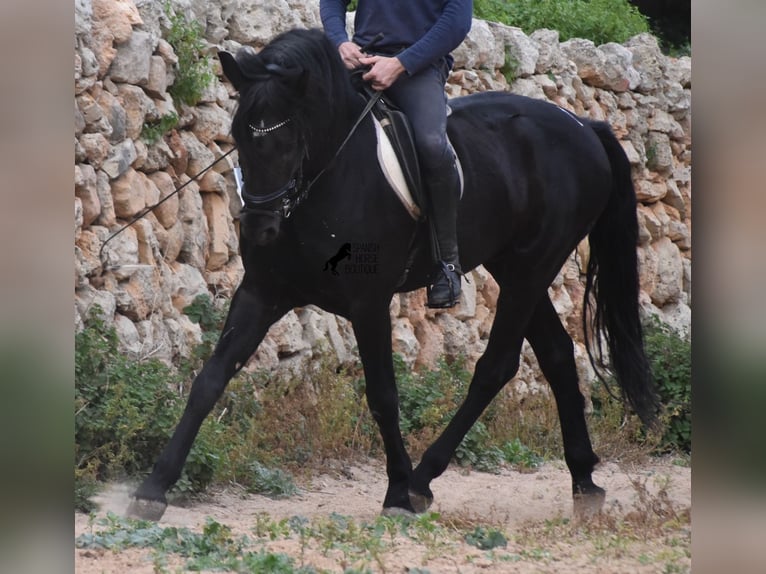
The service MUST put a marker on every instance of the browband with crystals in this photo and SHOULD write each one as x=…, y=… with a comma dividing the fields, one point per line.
x=262, y=131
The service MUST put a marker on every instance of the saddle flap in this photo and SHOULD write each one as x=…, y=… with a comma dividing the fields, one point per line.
x=397, y=154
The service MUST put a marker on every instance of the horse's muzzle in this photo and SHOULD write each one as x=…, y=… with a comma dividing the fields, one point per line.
x=260, y=226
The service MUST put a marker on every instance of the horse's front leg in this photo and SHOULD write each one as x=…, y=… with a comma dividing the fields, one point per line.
x=249, y=318
x=372, y=328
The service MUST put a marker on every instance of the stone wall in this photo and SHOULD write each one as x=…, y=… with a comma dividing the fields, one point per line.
x=189, y=245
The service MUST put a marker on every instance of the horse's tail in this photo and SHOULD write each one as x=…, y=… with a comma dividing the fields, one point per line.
x=612, y=279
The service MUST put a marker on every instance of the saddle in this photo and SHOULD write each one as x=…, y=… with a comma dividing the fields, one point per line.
x=396, y=151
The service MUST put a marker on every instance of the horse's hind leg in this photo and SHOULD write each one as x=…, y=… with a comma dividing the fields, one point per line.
x=494, y=369
x=246, y=325
x=554, y=350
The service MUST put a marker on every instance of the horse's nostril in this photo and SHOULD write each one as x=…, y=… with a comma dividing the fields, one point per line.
x=267, y=235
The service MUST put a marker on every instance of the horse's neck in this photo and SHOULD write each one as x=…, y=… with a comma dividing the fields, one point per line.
x=326, y=151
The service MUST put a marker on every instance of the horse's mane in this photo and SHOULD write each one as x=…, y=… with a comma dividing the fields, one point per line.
x=299, y=73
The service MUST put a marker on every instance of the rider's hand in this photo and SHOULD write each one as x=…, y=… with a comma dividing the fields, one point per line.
x=351, y=54
x=384, y=71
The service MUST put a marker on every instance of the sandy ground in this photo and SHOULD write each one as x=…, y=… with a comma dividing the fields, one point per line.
x=529, y=508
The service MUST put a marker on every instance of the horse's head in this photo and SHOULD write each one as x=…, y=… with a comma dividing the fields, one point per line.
x=266, y=128
x=285, y=93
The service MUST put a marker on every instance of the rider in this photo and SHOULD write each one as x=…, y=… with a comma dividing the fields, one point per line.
x=411, y=63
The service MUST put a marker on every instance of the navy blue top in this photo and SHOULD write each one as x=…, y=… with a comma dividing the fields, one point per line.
x=427, y=29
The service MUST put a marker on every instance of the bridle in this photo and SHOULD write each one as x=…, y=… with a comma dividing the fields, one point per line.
x=296, y=190
x=292, y=194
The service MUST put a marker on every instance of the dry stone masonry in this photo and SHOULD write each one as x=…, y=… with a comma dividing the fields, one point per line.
x=189, y=245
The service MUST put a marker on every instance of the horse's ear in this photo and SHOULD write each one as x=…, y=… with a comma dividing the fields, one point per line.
x=231, y=69
x=296, y=78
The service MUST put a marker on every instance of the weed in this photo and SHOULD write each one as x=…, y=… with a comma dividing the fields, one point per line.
x=152, y=131
x=429, y=399
x=510, y=69
x=271, y=482
x=476, y=450
x=598, y=20
x=673, y=568
x=486, y=538
x=124, y=409
x=86, y=486
x=361, y=546
x=616, y=434
x=536, y=554
x=209, y=315
x=215, y=548
x=670, y=357
x=520, y=455
x=651, y=155
x=194, y=71
x=618, y=532
x=678, y=50
x=266, y=527
x=426, y=530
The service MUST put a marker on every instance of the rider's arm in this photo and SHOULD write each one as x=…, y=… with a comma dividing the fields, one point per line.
x=444, y=36
x=333, y=15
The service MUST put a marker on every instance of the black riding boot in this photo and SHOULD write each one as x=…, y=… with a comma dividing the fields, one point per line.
x=443, y=189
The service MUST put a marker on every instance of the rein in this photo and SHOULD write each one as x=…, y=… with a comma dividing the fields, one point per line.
x=146, y=210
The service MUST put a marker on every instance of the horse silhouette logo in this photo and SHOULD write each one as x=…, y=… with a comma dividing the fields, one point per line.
x=343, y=253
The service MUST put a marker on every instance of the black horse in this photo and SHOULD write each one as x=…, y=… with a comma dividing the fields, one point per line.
x=537, y=181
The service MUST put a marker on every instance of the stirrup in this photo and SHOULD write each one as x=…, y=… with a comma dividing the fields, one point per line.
x=450, y=274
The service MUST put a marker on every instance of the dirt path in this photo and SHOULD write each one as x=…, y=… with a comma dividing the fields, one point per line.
x=643, y=528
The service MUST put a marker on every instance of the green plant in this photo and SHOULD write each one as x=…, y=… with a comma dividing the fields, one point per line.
x=670, y=357
x=486, y=538
x=601, y=21
x=215, y=548
x=510, y=69
x=194, y=71
x=85, y=486
x=152, y=131
x=210, y=317
x=651, y=155
x=492, y=10
x=678, y=50
x=615, y=431
x=430, y=398
x=514, y=452
x=271, y=482
x=125, y=411
x=120, y=404
x=477, y=449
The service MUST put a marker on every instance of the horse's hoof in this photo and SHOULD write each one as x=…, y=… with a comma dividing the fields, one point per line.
x=420, y=502
x=396, y=511
x=589, y=504
x=144, y=509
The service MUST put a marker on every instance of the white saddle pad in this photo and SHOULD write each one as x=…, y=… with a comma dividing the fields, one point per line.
x=389, y=164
